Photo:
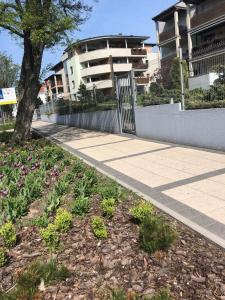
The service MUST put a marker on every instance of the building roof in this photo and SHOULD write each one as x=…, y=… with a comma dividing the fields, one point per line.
x=111, y=37
x=193, y=1
x=166, y=14
x=57, y=66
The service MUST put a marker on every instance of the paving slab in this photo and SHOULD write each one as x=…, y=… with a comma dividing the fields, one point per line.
x=186, y=182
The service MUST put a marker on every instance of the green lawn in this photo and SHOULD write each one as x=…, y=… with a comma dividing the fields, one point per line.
x=7, y=126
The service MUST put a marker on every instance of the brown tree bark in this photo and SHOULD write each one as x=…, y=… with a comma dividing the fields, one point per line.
x=28, y=88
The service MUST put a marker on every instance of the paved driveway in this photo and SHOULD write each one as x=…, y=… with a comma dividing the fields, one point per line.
x=187, y=183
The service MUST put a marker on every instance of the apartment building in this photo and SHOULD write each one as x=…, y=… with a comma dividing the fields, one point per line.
x=57, y=84
x=198, y=27
x=206, y=40
x=171, y=30
x=95, y=62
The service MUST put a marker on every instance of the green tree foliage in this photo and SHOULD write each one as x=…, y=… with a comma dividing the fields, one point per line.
x=84, y=94
x=9, y=71
x=40, y=25
x=175, y=74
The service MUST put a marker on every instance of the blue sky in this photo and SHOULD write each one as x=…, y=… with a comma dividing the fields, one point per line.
x=108, y=17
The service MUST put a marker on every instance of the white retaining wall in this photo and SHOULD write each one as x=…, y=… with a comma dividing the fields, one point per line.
x=202, y=127
x=99, y=120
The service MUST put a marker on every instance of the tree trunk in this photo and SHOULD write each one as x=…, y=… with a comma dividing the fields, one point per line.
x=28, y=88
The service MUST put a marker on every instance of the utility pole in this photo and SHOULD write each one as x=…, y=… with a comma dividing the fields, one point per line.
x=94, y=93
x=112, y=72
x=182, y=80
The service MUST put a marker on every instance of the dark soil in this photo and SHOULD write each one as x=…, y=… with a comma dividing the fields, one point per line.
x=192, y=269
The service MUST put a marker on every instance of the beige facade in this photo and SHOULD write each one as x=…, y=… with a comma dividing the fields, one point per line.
x=206, y=34
x=56, y=84
x=196, y=26
x=171, y=31
x=96, y=61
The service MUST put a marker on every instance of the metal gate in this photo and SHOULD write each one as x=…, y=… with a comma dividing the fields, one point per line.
x=125, y=90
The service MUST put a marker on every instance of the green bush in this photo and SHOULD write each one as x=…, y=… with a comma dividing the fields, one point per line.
x=108, y=207
x=140, y=211
x=41, y=222
x=3, y=257
x=81, y=206
x=85, y=186
x=50, y=236
x=99, y=228
x=61, y=187
x=78, y=167
x=8, y=233
x=156, y=234
x=63, y=220
x=109, y=189
x=28, y=281
x=53, y=202
x=119, y=295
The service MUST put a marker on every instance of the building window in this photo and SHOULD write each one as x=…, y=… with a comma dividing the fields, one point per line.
x=73, y=84
x=71, y=70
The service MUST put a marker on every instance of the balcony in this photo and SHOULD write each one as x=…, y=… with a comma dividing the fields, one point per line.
x=104, y=53
x=105, y=69
x=59, y=84
x=217, y=11
x=101, y=84
x=100, y=69
x=211, y=47
x=140, y=66
x=166, y=35
x=138, y=51
x=142, y=80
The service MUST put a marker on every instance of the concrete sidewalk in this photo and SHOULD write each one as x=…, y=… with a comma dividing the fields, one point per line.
x=187, y=183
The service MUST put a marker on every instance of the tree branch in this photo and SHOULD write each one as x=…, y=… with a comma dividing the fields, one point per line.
x=11, y=29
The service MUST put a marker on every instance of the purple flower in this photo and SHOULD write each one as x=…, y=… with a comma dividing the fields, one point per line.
x=4, y=193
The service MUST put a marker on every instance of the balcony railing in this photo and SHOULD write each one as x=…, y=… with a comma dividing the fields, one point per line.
x=59, y=83
x=166, y=35
x=208, y=48
x=137, y=51
x=142, y=80
x=140, y=66
x=217, y=11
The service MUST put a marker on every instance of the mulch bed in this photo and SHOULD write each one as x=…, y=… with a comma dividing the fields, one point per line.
x=193, y=268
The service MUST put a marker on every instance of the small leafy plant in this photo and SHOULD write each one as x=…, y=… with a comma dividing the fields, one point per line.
x=3, y=257
x=29, y=280
x=85, y=186
x=156, y=234
x=41, y=222
x=99, y=228
x=8, y=233
x=81, y=206
x=61, y=187
x=63, y=220
x=53, y=203
x=108, y=207
x=78, y=167
x=50, y=236
x=142, y=210
x=109, y=189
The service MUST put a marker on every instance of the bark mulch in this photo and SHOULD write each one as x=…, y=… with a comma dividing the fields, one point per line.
x=192, y=269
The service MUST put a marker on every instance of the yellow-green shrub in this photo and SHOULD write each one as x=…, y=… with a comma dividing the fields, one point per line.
x=63, y=220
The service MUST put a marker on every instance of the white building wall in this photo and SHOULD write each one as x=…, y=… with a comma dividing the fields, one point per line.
x=203, y=81
x=192, y=127
x=76, y=76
